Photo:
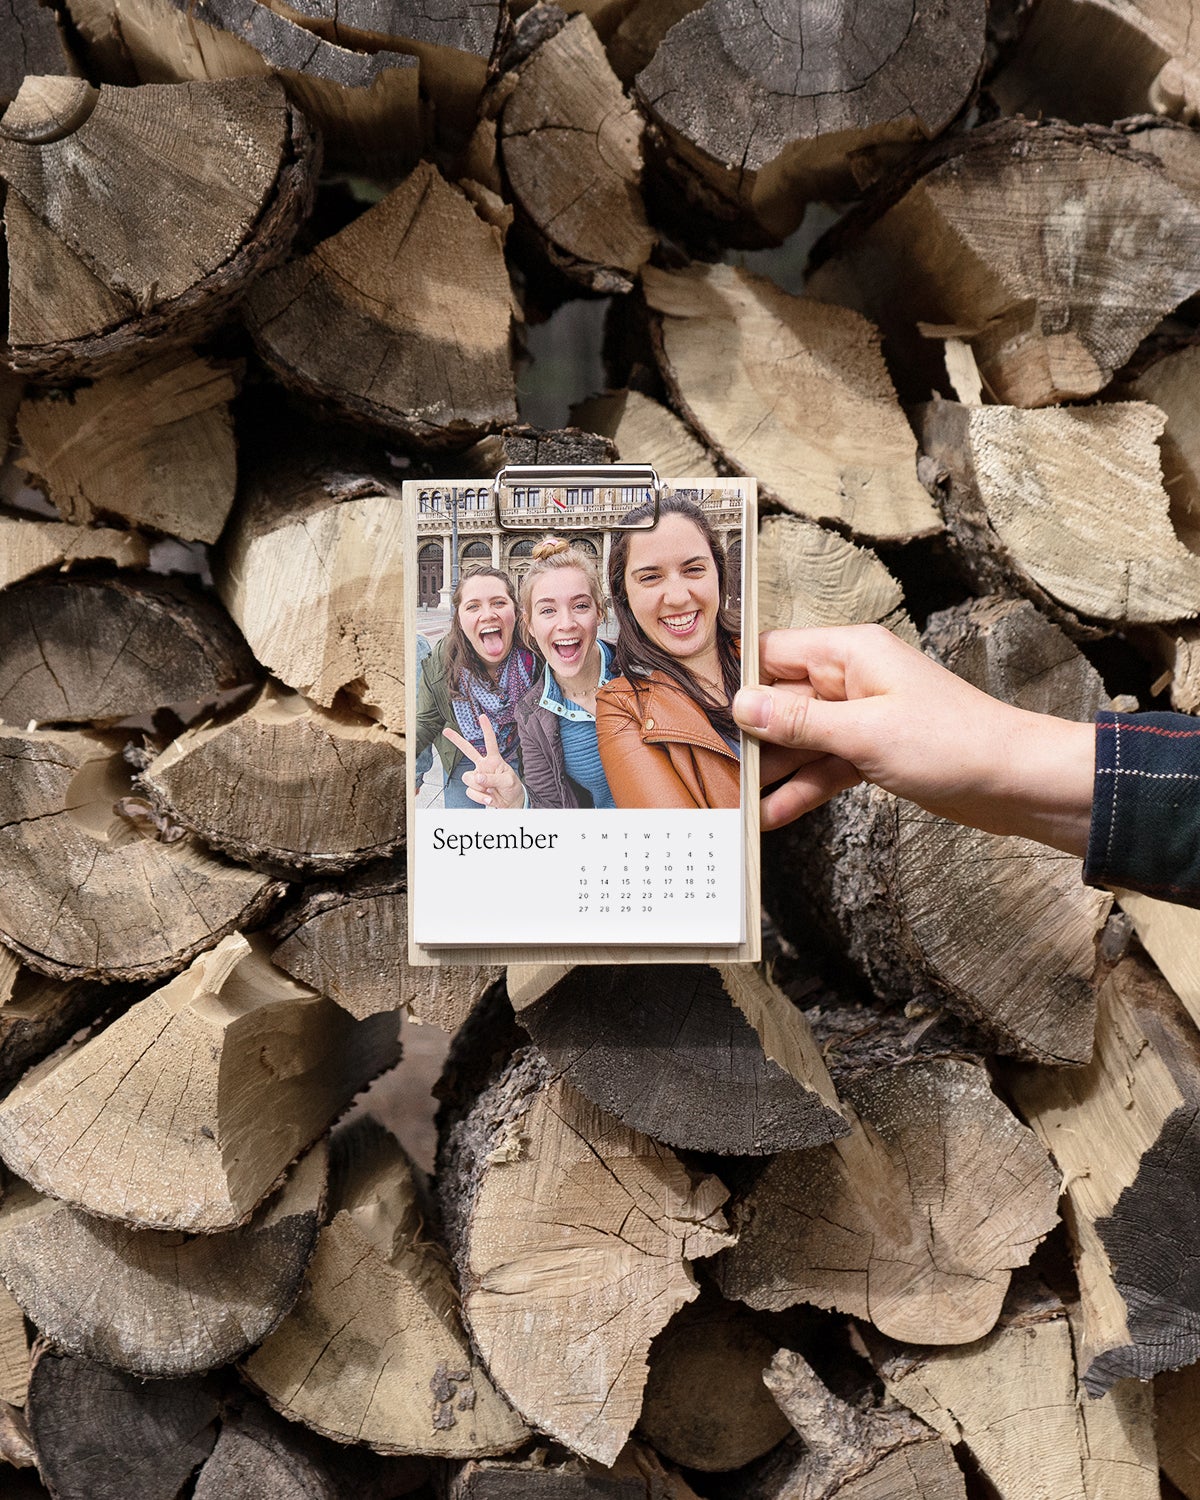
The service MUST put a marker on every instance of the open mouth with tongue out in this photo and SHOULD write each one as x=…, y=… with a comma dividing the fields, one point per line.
x=491, y=642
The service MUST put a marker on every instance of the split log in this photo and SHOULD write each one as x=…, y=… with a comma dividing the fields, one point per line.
x=1176, y=1404
x=852, y=1451
x=645, y=431
x=98, y=1432
x=350, y=942
x=365, y=104
x=160, y=1304
x=311, y=570
x=104, y=648
x=103, y=450
x=430, y=331
x=571, y=144
x=572, y=1235
x=31, y=42
x=791, y=391
x=14, y=1351
x=1010, y=1400
x=374, y=1352
x=770, y=108
x=1170, y=934
x=29, y=546
x=38, y=1013
x=639, y=32
x=1126, y=1132
x=637, y=1474
x=705, y=1405
x=706, y=1059
x=258, y=1455
x=1142, y=59
x=915, y=1220
x=526, y=444
x=1066, y=507
x=1044, y=283
x=810, y=576
x=264, y=1063
x=90, y=893
x=245, y=785
x=139, y=215
x=998, y=930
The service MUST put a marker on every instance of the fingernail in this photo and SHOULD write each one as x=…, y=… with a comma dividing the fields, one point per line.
x=752, y=708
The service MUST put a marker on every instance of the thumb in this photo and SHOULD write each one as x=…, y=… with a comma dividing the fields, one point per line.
x=785, y=716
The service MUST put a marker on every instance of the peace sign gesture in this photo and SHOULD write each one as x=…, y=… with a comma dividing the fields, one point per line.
x=493, y=782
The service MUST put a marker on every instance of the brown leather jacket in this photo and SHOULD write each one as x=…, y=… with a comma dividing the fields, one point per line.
x=659, y=750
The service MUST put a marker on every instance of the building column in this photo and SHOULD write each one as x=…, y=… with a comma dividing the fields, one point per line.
x=447, y=571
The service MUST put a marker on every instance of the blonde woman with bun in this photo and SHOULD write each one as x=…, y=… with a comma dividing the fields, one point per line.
x=561, y=609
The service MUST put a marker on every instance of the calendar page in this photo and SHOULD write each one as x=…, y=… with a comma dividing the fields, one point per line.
x=578, y=790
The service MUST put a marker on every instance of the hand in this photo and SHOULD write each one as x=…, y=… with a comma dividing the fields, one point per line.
x=493, y=782
x=854, y=703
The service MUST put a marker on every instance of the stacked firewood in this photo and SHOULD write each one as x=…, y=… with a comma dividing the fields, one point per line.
x=909, y=1212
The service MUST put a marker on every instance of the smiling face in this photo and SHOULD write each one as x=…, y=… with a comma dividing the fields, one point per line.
x=487, y=617
x=674, y=591
x=563, y=620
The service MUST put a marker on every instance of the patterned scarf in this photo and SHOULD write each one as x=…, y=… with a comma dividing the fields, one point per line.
x=499, y=703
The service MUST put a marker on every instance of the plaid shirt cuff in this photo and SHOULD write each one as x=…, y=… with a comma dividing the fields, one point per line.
x=1145, y=830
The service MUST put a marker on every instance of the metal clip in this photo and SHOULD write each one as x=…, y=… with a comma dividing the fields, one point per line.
x=604, y=476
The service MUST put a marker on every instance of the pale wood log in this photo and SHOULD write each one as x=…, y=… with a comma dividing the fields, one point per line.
x=102, y=450
x=246, y=784
x=705, y=1405
x=160, y=1304
x=1170, y=934
x=770, y=107
x=16, y=1449
x=429, y=330
x=350, y=942
x=637, y=35
x=37, y=1013
x=915, y=1220
x=88, y=892
x=1045, y=285
x=184, y=1113
x=645, y=431
x=14, y=1351
x=1117, y=1434
x=104, y=648
x=140, y=215
x=311, y=572
x=810, y=576
x=1142, y=58
x=365, y=103
x=1174, y=144
x=794, y=392
x=29, y=546
x=706, y=1059
x=852, y=1450
x=1123, y=1130
x=1066, y=507
x=1177, y=1409
x=571, y=144
x=106, y=1435
x=259, y=1455
x=573, y=1236
x=1176, y=649
x=375, y=1352
x=1011, y=1400
x=31, y=42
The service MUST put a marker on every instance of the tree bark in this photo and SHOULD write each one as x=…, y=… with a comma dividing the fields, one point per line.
x=701, y=1058
x=98, y=649
x=573, y=1236
x=430, y=359
x=37, y=1013
x=207, y=181
x=101, y=451
x=162, y=1305
x=832, y=442
x=914, y=1221
x=375, y=1352
x=571, y=145
x=982, y=244
x=245, y=785
x=771, y=107
x=263, y=1063
x=88, y=893
x=810, y=576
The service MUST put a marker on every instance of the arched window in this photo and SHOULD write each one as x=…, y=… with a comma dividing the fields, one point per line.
x=477, y=552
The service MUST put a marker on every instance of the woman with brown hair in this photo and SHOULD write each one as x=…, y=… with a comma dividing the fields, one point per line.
x=562, y=607
x=665, y=726
x=473, y=680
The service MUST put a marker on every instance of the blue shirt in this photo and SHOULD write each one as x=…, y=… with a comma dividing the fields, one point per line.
x=577, y=731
